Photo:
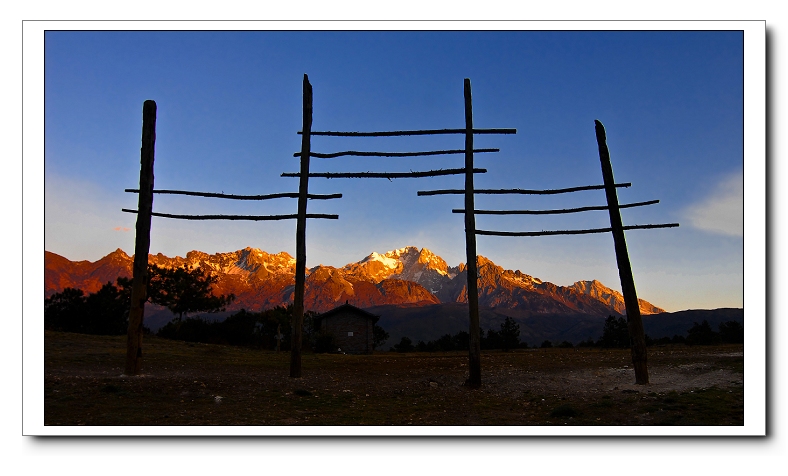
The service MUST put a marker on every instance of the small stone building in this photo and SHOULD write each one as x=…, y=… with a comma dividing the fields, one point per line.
x=351, y=328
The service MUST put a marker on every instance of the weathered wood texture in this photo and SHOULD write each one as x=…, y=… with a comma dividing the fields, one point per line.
x=142, y=241
x=637, y=335
x=300, y=269
x=424, y=132
x=474, y=347
x=515, y=191
x=238, y=217
x=388, y=175
x=356, y=153
x=240, y=197
x=571, y=232
x=553, y=212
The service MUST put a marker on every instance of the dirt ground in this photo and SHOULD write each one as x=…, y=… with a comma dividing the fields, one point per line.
x=200, y=384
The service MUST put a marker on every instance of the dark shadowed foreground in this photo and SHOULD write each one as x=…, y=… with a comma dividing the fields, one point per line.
x=201, y=384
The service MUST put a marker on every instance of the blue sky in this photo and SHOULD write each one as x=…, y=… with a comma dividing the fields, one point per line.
x=229, y=107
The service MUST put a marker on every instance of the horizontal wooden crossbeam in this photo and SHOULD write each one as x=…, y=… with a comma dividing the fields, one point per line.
x=571, y=232
x=553, y=212
x=410, y=133
x=241, y=197
x=238, y=217
x=518, y=190
x=388, y=175
x=356, y=153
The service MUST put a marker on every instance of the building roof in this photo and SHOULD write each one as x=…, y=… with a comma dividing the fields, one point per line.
x=349, y=308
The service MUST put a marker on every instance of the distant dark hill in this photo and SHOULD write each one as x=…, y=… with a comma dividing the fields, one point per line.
x=668, y=324
x=431, y=322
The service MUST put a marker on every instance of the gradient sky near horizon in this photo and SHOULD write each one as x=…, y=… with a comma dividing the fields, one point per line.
x=229, y=108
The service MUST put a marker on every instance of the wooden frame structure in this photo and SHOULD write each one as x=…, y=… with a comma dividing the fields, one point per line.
x=474, y=352
x=145, y=206
x=144, y=213
x=634, y=320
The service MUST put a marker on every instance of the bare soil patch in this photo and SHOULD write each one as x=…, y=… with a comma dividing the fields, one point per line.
x=201, y=384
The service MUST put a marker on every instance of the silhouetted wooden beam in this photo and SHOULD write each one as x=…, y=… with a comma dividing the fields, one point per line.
x=139, y=291
x=356, y=153
x=388, y=175
x=571, y=232
x=238, y=217
x=411, y=133
x=241, y=197
x=637, y=335
x=297, y=319
x=474, y=334
x=553, y=212
x=518, y=190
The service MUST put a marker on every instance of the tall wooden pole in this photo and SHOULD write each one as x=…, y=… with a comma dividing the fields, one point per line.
x=474, y=347
x=139, y=293
x=300, y=271
x=637, y=336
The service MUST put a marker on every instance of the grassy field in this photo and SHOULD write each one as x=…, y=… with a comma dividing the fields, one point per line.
x=200, y=384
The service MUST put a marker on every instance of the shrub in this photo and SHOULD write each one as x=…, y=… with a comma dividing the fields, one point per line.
x=731, y=332
x=405, y=345
x=104, y=312
x=702, y=334
x=492, y=341
x=587, y=343
x=615, y=333
x=510, y=334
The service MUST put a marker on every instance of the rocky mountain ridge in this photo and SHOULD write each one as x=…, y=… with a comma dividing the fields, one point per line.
x=404, y=277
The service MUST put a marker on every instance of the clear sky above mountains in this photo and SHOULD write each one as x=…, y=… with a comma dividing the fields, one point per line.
x=229, y=108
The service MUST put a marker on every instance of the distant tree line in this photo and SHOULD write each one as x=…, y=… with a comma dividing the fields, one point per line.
x=507, y=338
x=258, y=330
x=244, y=328
x=106, y=312
x=184, y=291
x=615, y=334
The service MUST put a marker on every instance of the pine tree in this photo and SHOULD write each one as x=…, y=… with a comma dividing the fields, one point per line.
x=510, y=334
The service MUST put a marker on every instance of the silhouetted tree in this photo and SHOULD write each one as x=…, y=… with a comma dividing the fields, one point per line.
x=244, y=328
x=493, y=340
x=702, y=334
x=107, y=311
x=104, y=312
x=546, y=344
x=587, y=343
x=405, y=345
x=185, y=290
x=379, y=336
x=62, y=310
x=461, y=340
x=615, y=333
x=731, y=332
x=510, y=334
x=445, y=343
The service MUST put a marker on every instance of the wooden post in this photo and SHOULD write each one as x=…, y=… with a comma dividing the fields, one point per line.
x=139, y=293
x=474, y=347
x=637, y=337
x=300, y=271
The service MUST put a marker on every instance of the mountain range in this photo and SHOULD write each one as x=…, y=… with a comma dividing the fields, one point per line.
x=414, y=291
x=404, y=277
